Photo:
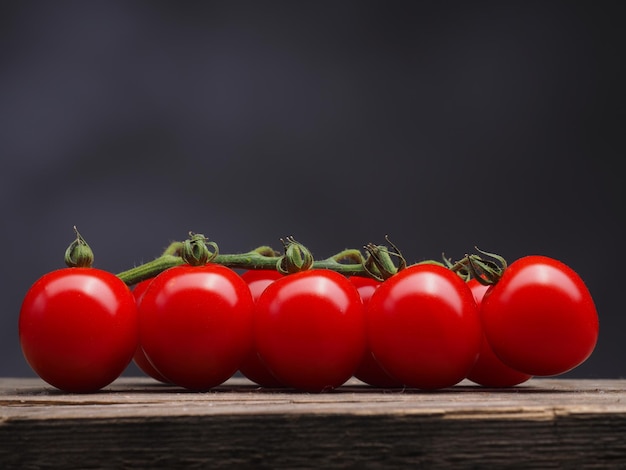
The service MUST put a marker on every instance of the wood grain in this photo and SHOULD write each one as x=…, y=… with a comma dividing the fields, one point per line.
x=140, y=423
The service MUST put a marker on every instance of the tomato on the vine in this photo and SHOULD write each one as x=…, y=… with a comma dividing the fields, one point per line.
x=369, y=370
x=423, y=327
x=78, y=328
x=309, y=329
x=253, y=366
x=490, y=371
x=140, y=359
x=195, y=324
x=539, y=317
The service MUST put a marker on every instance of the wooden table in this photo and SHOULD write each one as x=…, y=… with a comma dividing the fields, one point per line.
x=140, y=423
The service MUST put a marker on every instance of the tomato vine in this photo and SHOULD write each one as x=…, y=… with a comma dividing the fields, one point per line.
x=377, y=263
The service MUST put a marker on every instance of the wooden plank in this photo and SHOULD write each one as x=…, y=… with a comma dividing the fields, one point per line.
x=138, y=422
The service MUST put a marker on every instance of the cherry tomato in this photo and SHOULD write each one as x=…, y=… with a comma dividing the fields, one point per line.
x=140, y=359
x=490, y=371
x=539, y=318
x=253, y=367
x=310, y=330
x=78, y=328
x=424, y=327
x=369, y=370
x=195, y=324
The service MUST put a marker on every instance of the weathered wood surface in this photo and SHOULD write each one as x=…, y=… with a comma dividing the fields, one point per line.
x=140, y=423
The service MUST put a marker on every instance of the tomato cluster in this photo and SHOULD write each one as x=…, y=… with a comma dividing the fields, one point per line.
x=424, y=326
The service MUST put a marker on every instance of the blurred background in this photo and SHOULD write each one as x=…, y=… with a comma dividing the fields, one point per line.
x=443, y=124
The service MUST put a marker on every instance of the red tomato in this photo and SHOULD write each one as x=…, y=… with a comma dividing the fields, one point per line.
x=140, y=359
x=539, y=318
x=424, y=327
x=78, y=328
x=490, y=371
x=369, y=370
x=253, y=367
x=310, y=330
x=195, y=324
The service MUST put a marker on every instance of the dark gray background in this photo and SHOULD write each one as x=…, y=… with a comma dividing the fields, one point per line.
x=444, y=125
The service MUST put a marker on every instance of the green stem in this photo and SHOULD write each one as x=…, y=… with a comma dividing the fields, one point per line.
x=351, y=269
x=252, y=260
x=175, y=249
x=149, y=269
x=260, y=258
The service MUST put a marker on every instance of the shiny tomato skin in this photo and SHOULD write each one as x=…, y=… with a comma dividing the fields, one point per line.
x=78, y=328
x=309, y=329
x=539, y=317
x=489, y=370
x=195, y=324
x=252, y=366
x=140, y=359
x=369, y=370
x=424, y=327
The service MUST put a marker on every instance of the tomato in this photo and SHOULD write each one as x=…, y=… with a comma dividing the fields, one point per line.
x=309, y=329
x=423, y=327
x=140, y=359
x=539, y=318
x=490, y=371
x=78, y=328
x=195, y=324
x=369, y=370
x=253, y=367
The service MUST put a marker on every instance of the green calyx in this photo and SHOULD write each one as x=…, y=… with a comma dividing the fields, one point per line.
x=380, y=261
x=297, y=257
x=487, y=271
x=79, y=253
x=197, y=250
